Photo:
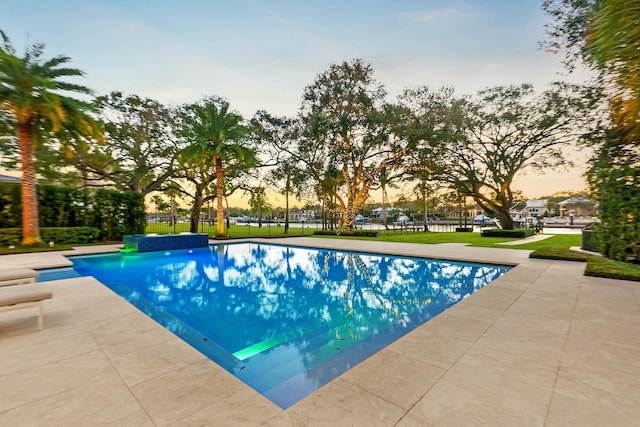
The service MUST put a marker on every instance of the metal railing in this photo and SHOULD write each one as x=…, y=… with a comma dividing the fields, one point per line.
x=276, y=228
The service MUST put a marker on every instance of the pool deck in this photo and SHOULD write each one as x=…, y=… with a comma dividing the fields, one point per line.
x=541, y=346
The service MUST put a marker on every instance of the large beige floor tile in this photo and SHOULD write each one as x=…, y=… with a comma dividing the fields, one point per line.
x=108, y=308
x=133, y=339
x=575, y=412
x=617, y=357
x=31, y=384
x=609, y=294
x=496, y=297
x=106, y=402
x=245, y=408
x=468, y=309
x=185, y=391
x=472, y=403
x=565, y=272
x=545, y=306
x=516, y=373
x=150, y=362
x=340, y=403
x=396, y=378
x=598, y=384
x=284, y=419
x=615, y=328
x=447, y=325
x=510, y=284
x=536, y=337
x=24, y=354
x=527, y=273
x=118, y=324
x=423, y=345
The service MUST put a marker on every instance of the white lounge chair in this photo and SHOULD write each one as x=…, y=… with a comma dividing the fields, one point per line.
x=27, y=296
x=17, y=276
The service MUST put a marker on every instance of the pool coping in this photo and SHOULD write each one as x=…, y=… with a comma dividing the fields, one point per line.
x=518, y=352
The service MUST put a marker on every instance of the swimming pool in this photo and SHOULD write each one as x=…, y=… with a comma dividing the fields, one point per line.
x=286, y=320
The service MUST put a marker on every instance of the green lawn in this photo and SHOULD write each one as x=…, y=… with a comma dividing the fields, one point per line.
x=563, y=241
x=234, y=231
x=604, y=267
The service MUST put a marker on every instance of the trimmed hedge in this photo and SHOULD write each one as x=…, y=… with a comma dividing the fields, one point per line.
x=618, y=191
x=604, y=267
x=115, y=213
x=59, y=235
x=517, y=233
x=464, y=229
x=559, y=254
x=361, y=233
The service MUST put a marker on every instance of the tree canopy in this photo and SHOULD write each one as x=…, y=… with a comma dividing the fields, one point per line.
x=492, y=137
x=141, y=144
x=346, y=124
x=217, y=135
x=33, y=96
x=605, y=35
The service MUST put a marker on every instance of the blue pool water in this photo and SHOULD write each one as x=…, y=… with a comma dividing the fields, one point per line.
x=286, y=320
x=57, y=274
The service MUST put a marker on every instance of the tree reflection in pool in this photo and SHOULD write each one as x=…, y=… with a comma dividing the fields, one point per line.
x=287, y=320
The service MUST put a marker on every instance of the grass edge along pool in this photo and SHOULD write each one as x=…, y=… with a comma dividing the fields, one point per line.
x=286, y=319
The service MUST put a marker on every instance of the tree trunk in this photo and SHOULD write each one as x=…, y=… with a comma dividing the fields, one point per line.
x=195, y=212
x=425, y=217
x=505, y=219
x=286, y=211
x=259, y=214
x=384, y=213
x=228, y=217
x=219, y=197
x=29, y=196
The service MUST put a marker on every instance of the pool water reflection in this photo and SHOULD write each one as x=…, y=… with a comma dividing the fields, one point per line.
x=287, y=320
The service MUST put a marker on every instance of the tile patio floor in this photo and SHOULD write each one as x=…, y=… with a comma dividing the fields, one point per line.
x=541, y=346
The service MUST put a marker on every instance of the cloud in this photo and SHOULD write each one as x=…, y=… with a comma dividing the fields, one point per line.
x=447, y=14
x=450, y=15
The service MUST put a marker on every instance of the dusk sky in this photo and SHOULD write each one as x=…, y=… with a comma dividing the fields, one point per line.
x=261, y=54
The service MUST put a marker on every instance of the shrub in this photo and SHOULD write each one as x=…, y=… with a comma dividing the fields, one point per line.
x=464, y=229
x=59, y=235
x=70, y=235
x=10, y=236
x=517, y=233
x=618, y=191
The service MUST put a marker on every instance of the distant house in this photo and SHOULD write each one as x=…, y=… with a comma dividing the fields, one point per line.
x=385, y=213
x=536, y=208
x=305, y=215
x=8, y=178
x=577, y=206
x=523, y=213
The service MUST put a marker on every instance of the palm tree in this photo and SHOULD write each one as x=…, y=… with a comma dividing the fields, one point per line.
x=218, y=132
x=258, y=201
x=32, y=96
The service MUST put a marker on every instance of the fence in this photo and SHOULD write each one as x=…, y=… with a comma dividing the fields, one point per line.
x=276, y=229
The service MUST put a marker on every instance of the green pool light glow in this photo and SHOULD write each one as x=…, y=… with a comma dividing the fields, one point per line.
x=254, y=349
x=128, y=250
